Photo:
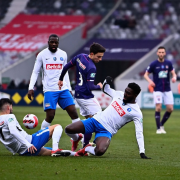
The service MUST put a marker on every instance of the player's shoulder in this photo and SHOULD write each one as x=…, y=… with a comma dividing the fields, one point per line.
x=8, y=117
x=154, y=62
x=167, y=61
x=61, y=51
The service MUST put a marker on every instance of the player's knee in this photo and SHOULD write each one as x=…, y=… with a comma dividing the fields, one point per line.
x=170, y=110
x=68, y=129
x=100, y=151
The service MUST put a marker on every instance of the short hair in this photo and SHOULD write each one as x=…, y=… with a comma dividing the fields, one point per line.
x=54, y=35
x=4, y=101
x=135, y=87
x=161, y=47
x=97, y=48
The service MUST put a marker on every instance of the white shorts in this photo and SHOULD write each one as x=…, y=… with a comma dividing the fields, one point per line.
x=88, y=106
x=166, y=97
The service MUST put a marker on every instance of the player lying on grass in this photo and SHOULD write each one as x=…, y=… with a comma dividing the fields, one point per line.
x=16, y=140
x=122, y=110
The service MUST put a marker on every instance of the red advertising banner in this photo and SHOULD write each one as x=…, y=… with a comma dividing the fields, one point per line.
x=31, y=32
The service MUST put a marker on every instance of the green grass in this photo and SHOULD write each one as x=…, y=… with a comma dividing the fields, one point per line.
x=121, y=161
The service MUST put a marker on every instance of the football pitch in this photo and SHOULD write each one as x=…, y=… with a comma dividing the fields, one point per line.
x=121, y=161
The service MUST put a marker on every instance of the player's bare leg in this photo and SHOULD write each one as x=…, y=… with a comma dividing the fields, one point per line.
x=50, y=113
x=72, y=130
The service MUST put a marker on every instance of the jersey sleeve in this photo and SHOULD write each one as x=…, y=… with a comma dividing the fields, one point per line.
x=170, y=66
x=139, y=133
x=73, y=60
x=66, y=77
x=14, y=131
x=150, y=68
x=36, y=71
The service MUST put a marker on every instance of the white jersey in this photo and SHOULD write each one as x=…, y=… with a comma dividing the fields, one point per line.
x=52, y=65
x=14, y=138
x=117, y=114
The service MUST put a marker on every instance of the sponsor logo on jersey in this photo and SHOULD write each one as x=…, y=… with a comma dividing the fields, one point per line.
x=129, y=109
x=163, y=74
x=81, y=65
x=92, y=75
x=10, y=119
x=118, y=108
x=61, y=58
x=157, y=67
x=148, y=67
x=1, y=123
x=54, y=58
x=162, y=66
x=167, y=67
x=53, y=66
x=47, y=58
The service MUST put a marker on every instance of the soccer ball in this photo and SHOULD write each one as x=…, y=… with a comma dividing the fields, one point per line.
x=30, y=121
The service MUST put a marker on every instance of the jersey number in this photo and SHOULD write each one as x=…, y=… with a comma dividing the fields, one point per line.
x=81, y=79
x=1, y=133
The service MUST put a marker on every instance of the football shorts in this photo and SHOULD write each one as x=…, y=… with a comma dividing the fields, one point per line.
x=88, y=106
x=92, y=125
x=39, y=139
x=63, y=98
x=166, y=97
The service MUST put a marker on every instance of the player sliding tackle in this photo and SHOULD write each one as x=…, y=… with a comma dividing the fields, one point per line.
x=16, y=140
x=122, y=110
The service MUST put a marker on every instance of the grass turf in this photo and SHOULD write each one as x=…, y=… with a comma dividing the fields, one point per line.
x=121, y=161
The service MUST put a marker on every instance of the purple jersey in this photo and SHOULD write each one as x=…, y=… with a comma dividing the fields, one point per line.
x=85, y=72
x=161, y=76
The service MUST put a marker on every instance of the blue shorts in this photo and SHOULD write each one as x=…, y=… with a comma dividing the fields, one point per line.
x=63, y=98
x=92, y=125
x=39, y=139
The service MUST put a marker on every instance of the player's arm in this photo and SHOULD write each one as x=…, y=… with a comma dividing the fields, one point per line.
x=174, y=76
x=106, y=87
x=64, y=73
x=34, y=76
x=90, y=80
x=140, y=136
x=15, y=132
x=146, y=76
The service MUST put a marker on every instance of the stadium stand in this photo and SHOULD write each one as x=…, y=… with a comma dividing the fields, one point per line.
x=145, y=19
x=4, y=5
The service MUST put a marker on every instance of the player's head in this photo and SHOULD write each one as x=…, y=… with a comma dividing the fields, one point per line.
x=131, y=92
x=96, y=52
x=53, y=42
x=6, y=106
x=161, y=53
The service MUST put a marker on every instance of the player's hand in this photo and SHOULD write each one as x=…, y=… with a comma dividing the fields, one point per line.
x=152, y=84
x=60, y=84
x=143, y=156
x=109, y=79
x=100, y=84
x=30, y=94
x=32, y=149
x=174, y=79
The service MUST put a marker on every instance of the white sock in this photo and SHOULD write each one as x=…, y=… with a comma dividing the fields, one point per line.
x=45, y=124
x=75, y=120
x=56, y=137
x=74, y=136
x=90, y=150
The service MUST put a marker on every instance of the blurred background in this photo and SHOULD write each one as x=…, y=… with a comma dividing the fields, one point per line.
x=130, y=30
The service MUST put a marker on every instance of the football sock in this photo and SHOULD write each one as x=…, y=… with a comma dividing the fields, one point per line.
x=75, y=120
x=45, y=124
x=74, y=136
x=157, y=118
x=87, y=138
x=56, y=137
x=165, y=117
x=90, y=150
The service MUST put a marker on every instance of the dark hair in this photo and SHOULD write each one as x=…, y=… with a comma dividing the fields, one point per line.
x=161, y=47
x=135, y=87
x=54, y=35
x=96, y=48
x=4, y=101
